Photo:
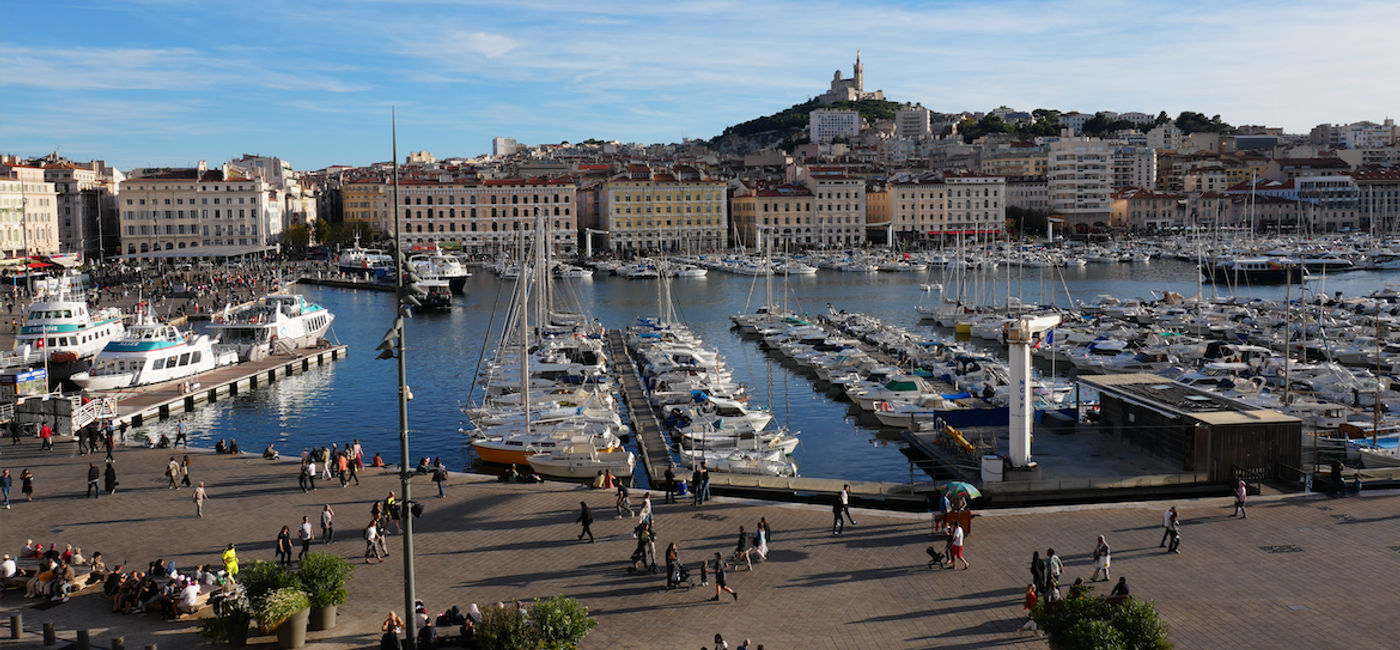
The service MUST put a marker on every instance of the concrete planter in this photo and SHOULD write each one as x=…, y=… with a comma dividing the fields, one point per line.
x=292, y=632
x=322, y=618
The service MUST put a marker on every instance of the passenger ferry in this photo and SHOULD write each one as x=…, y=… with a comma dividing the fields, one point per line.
x=66, y=331
x=364, y=261
x=278, y=323
x=149, y=353
x=438, y=266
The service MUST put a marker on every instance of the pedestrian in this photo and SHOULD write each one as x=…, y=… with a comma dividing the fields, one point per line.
x=624, y=502
x=327, y=524
x=1102, y=559
x=1030, y=625
x=306, y=536
x=1175, y=531
x=695, y=479
x=744, y=549
x=185, y=470
x=382, y=539
x=670, y=483
x=45, y=437
x=767, y=531
x=720, y=643
x=109, y=478
x=760, y=541
x=645, y=513
x=325, y=459
x=359, y=455
x=585, y=517
x=721, y=583
x=838, y=523
x=310, y=475
x=1167, y=516
x=172, y=474
x=182, y=430
x=1240, y=494
x=391, y=511
x=93, y=475
x=5, y=486
x=372, y=543
x=957, y=548
x=1038, y=576
x=200, y=496
x=704, y=482
x=26, y=484
x=110, y=442
x=846, y=503
x=284, y=547
x=342, y=465
x=440, y=477
x=1121, y=589
x=354, y=469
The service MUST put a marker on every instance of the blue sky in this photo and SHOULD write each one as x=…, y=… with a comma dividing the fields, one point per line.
x=169, y=82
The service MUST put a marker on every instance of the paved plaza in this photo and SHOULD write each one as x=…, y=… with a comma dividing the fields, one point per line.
x=1331, y=586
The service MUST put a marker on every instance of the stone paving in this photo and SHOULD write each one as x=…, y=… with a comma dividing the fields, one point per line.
x=868, y=588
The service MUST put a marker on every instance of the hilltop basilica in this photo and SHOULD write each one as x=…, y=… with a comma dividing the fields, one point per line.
x=849, y=90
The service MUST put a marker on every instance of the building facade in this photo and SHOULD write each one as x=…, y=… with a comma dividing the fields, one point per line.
x=662, y=213
x=28, y=212
x=1134, y=166
x=839, y=202
x=911, y=122
x=1078, y=182
x=483, y=216
x=827, y=124
x=198, y=208
x=771, y=215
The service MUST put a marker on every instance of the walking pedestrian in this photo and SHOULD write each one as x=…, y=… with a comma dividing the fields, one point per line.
x=624, y=502
x=743, y=549
x=670, y=483
x=284, y=547
x=306, y=536
x=325, y=459
x=1053, y=568
x=310, y=475
x=838, y=523
x=5, y=486
x=846, y=503
x=359, y=455
x=1240, y=494
x=721, y=583
x=109, y=478
x=1102, y=559
x=957, y=554
x=185, y=470
x=760, y=542
x=1038, y=577
x=342, y=465
x=45, y=437
x=200, y=496
x=704, y=482
x=372, y=543
x=440, y=477
x=1167, y=516
x=172, y=474
x=182, y=430
x=646, y=512
x=1030, y=625
x=93, y=475
x=1175, y=531
x=26, y=484
x=354, y=469
x=585, y=517
x=327, y=524
x=110, y=442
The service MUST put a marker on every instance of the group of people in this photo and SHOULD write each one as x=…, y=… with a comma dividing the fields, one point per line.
x=160, y=588
x=382, y=514
x=432, y=630
x=335, y=461
x=57, y=575
x=721, y=644
x=305, y=535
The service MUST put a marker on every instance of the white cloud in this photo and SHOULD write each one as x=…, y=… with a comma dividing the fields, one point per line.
x=169, y=69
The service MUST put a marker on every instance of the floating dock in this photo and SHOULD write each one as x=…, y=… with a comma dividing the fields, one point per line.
x=141, y=405
x=341, y=283
x=651, y=436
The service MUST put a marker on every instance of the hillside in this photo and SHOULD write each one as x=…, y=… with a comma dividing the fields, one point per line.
x=785, y=126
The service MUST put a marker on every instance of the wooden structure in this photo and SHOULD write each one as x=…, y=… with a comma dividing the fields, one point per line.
x=1210, y=435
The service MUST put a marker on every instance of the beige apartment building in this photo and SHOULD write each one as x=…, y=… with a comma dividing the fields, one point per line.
x=838, y=203
x=205, y=211
x=663, y=213
x=771, y=215
x=28, y=212
x=482, y=216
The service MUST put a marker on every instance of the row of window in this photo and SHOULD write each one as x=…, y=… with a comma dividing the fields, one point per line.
x=181, y=201
x=514, y=199
x=495, y=214
x=132, y=249
x=191, y=214
x=180, y=229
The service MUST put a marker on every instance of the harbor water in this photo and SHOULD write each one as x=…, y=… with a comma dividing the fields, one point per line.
x=356, y=398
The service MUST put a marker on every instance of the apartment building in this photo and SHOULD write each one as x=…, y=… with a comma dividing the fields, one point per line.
x=1078, y=182
x=28, y=212
x=479, y=216
x=198, y=208
x=777, y=215
x=839, y=202
x=1133, y=166
x=642, y=211
x=827, y=124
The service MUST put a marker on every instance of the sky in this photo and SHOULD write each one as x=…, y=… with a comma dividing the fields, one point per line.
x=168, y=82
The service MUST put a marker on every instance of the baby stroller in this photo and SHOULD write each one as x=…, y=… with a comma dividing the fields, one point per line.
x=678, y=576
x=935, y=558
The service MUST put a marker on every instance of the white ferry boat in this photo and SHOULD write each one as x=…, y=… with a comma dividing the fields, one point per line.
x=149, y=353
x=278, y=323
x=364, y=261
x=438, y=266
x=65, y=331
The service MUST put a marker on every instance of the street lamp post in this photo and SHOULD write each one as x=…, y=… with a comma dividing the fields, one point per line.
x=409, y=590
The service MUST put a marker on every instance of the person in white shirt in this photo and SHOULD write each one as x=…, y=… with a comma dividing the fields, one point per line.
x=957, y=553
x=846, y=503
x=1167, y=524
x=8, y=569
x=189, y=598
x=304, y=531
x=371, y=547
x=327, y=524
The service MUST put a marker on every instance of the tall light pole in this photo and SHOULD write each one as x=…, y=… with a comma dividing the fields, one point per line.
x=409, y=591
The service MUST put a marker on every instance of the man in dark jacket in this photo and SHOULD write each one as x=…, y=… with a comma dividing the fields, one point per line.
x=93, y=476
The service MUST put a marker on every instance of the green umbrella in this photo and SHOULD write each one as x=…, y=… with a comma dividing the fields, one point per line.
x=961, y=488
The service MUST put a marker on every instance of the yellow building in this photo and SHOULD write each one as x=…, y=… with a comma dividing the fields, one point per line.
x=660, y=212
x=772, y=215
x=366, y=201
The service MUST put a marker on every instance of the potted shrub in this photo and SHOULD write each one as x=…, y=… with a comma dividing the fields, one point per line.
x=322, y=577
x=285, y=611
x=230, y=621
x=261, y=578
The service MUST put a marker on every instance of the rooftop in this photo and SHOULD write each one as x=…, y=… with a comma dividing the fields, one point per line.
x=1177, y=400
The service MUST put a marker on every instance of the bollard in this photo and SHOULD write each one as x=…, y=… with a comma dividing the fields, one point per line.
x=84, y=641
x=118, y=643
x=15, y=626
x=49, y=637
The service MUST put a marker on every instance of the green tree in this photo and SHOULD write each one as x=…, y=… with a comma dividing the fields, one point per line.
x=561, y=622
x=296, y=236
x=1083, y=622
